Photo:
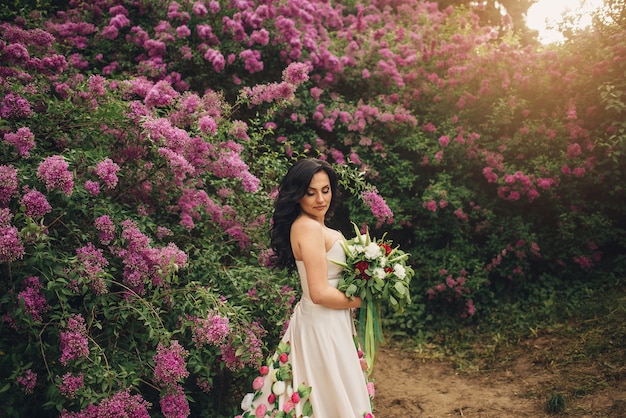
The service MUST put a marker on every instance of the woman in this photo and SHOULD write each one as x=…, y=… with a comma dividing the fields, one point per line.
x=319, y=344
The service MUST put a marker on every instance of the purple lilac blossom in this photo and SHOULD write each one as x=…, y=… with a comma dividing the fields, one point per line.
x=23, y=140
x=174, y=403
x=169, y=364
x=296, y=73
x=210, y=330
x=15, y=106
x=28, y=381
x=54, y=172
x=74, y=343
x=8, y=184
x=106, y=228
x=35, y=203
x=11, y=247
x=34, y=301
x=92, y=265
x=107, y=172
x=93, y=187
x=70, y=384
x=122, y=404
x=378, y=206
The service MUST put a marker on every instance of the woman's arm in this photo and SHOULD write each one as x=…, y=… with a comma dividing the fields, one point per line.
x=307, y=237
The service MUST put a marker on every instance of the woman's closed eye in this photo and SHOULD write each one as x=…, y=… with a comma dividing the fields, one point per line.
x=325, y=190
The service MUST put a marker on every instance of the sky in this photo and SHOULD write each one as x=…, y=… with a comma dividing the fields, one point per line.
x=552, y=11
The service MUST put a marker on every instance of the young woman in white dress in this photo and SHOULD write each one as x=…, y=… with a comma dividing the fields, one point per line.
x=316, y=370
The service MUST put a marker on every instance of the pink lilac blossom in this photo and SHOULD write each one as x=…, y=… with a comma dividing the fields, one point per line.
x=106, y=229
x=11, y=247
x=169, y=364
x=178, y=164
x=160, y=95
x=268, y=92
x=296, y=73
x=34, y=301
x=230, y=165
x=136, y=257
x=199, y=9
x=239, y=129
x=261, y=37
x=207, y=125
x=23, y=140
x=183, y=31
x=252, y=342
x=93, y=187
x=107, y=171
x=28, y=381
x=174, y=404
x=15, y=106
x=8, y=184
x=74, y=343
x=163, y=232
x=189, y=203
x=216, y=58
x=53, y=171
x=35, y=204
x=204, y=385
x=92, y=265
x=120, y=405
x=378, y=206
x=168, y=260
x=97, y=85
x=210, y=330
x=70, y=384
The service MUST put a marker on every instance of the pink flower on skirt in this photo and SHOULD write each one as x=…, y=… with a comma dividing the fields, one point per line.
x=257, y=383
x=260, y=410
x=288, y=406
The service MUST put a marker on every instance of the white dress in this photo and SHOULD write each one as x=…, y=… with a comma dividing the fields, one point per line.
x=322, y=355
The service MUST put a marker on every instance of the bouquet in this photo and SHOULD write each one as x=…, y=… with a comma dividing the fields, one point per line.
x=377, y=273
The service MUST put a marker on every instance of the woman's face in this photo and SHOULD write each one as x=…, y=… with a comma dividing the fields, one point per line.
x=316, y=200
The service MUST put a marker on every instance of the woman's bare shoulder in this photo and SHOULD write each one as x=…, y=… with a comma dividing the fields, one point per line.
x=306, y=225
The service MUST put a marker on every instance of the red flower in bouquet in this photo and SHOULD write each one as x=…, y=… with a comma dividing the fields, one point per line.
x=361, y=267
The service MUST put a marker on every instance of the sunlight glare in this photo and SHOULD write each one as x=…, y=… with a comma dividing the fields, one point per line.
x=547, y=13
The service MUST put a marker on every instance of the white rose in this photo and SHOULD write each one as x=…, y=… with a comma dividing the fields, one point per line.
x=382, y=261
x=358, y=249
x=246, y=403
x=399, y=271
x=372, y=251
x=278, y=388
x=379, y=273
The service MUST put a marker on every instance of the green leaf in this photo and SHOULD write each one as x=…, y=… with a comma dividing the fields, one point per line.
x=351, y=290
x=307, y=409
x=400, y=288
x=304, y=390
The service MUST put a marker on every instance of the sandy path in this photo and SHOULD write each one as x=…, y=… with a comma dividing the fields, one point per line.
x=409, y=388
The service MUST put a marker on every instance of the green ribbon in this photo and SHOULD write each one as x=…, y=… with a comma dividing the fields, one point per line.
x=370, y=331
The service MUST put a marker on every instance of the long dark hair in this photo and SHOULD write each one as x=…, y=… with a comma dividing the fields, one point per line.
x=287, y=207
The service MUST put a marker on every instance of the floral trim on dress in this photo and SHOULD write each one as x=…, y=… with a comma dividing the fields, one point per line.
x=284, y=398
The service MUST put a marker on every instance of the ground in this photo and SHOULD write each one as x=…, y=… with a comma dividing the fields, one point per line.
x=517, y=382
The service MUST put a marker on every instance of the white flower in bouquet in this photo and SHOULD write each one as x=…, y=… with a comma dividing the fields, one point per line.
x=379, y=273
x=372, y=251
x=399, y=271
